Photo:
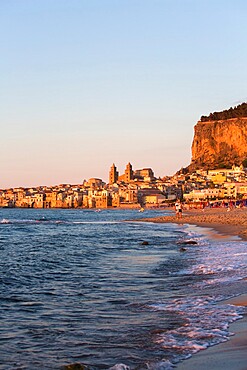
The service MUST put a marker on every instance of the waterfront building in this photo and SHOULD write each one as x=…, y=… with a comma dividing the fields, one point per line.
x=149, y=196
x=39, y=200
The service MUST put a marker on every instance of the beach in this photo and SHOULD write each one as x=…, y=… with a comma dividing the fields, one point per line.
x=219, y=223
x=224, y=222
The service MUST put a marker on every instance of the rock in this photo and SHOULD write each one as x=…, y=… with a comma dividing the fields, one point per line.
x=192, y=242
x=182, y=249
x=219, y=143
x=145, y=243
x=76, y=366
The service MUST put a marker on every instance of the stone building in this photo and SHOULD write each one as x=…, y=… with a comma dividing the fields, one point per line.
x=128, y=173
x=144, y=173
x=113, y=174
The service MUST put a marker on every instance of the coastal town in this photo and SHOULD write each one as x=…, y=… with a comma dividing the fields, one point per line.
x=135, y=189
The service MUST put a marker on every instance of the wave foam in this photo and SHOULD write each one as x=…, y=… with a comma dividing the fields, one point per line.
x=5, y=221
x=206, y=324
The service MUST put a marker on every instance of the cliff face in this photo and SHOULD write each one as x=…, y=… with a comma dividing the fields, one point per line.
x=219, y=143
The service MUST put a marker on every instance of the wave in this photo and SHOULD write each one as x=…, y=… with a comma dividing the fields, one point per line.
x=161, y=365
x=47, y=221
x=206, y=324
x=5, y=221
x=96, y=222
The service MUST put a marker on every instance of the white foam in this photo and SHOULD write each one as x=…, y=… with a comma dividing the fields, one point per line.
x=5, y=221
x=97, y=222
x=224, y=261
x=161, y=365
x=206, y=324
x=119, y=367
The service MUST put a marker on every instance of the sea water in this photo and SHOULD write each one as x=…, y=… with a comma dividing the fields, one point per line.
x=78, y=286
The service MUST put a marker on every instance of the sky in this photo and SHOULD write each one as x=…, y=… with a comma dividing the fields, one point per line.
x=88, y=83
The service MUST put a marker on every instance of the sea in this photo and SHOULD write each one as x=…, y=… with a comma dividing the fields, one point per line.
x=104, y=290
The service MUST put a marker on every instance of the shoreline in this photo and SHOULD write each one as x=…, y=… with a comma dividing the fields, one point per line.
x=228, y=225
x=230, y=355
x=232, y=223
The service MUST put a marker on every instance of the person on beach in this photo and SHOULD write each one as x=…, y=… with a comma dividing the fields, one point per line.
x=178, y=209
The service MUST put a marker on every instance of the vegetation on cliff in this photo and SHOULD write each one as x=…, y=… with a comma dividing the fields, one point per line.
x=236, y=112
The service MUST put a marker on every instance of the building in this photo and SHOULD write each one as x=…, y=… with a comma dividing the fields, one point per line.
x=94, y=183
x=145, y=173
x=128, y=173
x=113, y=175
x=152, y=197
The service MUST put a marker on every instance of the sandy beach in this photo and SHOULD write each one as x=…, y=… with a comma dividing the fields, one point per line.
x=231, y=355
x=233, y=222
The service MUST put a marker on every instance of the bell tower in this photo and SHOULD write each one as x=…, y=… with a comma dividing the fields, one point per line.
x=128, y=174
x=113, y=174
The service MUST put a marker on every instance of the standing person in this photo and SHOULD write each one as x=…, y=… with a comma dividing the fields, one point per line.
x=178, y=209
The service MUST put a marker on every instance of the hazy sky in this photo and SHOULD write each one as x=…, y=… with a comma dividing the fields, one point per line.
x=85, y=83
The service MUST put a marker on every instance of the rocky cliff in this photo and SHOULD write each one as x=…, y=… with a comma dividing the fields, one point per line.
x=218, y=144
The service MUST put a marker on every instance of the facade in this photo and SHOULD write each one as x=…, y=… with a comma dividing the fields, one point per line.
x=132, y=189
x=145, y=173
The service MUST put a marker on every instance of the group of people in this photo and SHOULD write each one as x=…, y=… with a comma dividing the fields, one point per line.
x=178, y=207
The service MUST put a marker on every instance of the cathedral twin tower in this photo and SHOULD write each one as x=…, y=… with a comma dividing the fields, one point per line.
x=126, y=177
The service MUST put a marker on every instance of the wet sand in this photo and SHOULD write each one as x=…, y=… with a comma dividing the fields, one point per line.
x=231, y=355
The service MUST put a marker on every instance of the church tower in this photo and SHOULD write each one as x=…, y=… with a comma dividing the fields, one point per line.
x=113, y=174
x=128, y=174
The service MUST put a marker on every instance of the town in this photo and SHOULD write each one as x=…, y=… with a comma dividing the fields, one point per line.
x=134, y=189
